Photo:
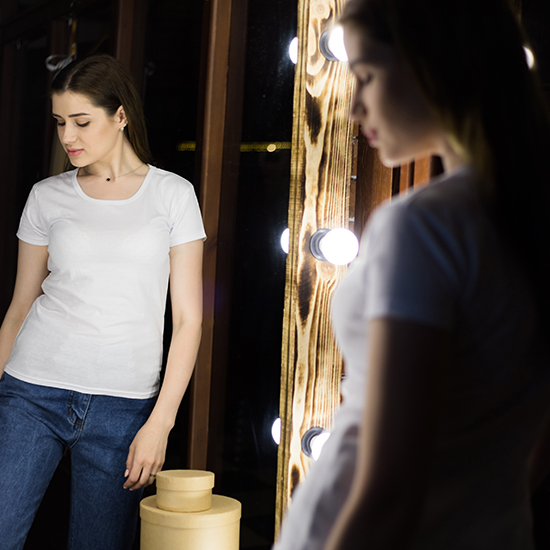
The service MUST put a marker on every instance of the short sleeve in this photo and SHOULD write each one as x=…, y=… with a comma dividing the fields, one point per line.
x=32, y=227
x=413, y=266
x=186, y=220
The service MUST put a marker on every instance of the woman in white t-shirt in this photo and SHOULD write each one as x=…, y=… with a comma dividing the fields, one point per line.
x=81, y=343
x=443, y=319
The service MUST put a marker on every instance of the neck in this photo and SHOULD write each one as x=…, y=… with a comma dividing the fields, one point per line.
x=119, y=164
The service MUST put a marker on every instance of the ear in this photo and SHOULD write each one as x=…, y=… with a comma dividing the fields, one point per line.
x=120, y=116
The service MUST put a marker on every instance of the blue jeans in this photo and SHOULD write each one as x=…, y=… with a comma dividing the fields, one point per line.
x=37, y=424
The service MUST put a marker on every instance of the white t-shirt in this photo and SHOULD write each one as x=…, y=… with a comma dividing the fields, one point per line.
x=97, y=328
x=433, y=257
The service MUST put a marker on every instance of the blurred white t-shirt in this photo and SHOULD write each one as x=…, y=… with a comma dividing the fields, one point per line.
x=433, y=257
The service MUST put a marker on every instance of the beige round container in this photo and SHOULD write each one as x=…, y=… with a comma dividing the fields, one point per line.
x=214, y=529
x=184, y=490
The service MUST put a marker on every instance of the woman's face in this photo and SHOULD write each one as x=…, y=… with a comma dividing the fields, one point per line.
x=391, y=110
x=86, y=132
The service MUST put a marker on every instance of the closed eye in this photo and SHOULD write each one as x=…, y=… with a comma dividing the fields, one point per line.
x=80, y=125
x=365, y=81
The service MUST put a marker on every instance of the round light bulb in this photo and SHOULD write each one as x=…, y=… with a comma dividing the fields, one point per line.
x=293, y=50
x=285, y=240
x=317, y=443
x=336, y=43
x=529, y=57
x=276, y=431
x=339, y=246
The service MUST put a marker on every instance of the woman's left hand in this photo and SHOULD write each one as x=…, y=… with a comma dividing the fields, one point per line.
x=146, y=456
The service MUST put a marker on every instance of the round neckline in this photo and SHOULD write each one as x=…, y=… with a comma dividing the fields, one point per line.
x=137, y=194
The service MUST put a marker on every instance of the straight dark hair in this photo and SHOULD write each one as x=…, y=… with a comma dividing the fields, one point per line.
x=107, y=83
x=469, y=60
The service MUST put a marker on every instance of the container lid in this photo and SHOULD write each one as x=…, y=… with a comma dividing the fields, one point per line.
x=185, y=480
x=224, y=511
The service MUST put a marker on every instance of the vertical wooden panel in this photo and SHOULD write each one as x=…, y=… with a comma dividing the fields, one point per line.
x=422, y=171
x=129, y=36
x=319, y=198
x=225, y=239
x=375, y=183
x=219, y=150
x=212, y=131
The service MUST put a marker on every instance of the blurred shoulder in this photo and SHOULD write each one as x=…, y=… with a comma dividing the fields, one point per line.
x=447, y=197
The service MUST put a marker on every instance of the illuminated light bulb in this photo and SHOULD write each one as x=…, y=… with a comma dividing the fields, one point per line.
x=293, y=50
x=271, y=148
x=336, y=43
x=313, y=441
x=331, y=44
x=317, y=444
x=276, y=431
x=285, y=240
x=338, y=246
x=529, y=57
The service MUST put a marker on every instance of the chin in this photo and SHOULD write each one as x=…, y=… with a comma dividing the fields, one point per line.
x=391, y=161
x=394, y=159
x=76, y=162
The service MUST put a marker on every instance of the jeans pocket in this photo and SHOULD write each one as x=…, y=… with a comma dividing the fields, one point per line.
x=2, y=377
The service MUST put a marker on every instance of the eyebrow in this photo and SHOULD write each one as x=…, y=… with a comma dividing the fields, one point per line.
x=72, y=116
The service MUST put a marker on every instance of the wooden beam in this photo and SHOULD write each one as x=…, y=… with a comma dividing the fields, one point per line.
x=320, y=195
x=210, y=193
x=219, y=149
x=422, y=171
x=131, y=18
x=375, y=182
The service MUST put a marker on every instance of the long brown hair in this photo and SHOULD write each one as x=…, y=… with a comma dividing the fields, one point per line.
x=108, y=84
x=468, y=58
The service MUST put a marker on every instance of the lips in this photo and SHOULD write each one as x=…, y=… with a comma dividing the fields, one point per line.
x=74, y=152
x=371, y=135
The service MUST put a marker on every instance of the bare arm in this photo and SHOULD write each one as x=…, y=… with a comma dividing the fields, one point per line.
x=32, y=269
x=148, y=449
x=406, y=370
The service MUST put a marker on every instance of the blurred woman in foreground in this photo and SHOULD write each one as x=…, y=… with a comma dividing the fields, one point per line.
x=443, y=318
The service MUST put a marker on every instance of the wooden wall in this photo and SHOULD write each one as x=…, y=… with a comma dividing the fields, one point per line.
x=320, y=197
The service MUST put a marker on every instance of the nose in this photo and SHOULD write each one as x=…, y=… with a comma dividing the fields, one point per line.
x=67, y=134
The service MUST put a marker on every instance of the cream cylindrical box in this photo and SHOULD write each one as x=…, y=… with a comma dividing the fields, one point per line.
x=213, y=529
x=184, y=490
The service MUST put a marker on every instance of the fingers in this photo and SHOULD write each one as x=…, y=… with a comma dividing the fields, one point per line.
x=145, y=458
x=129, y=460
x=139, y=481
x=141, y=475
